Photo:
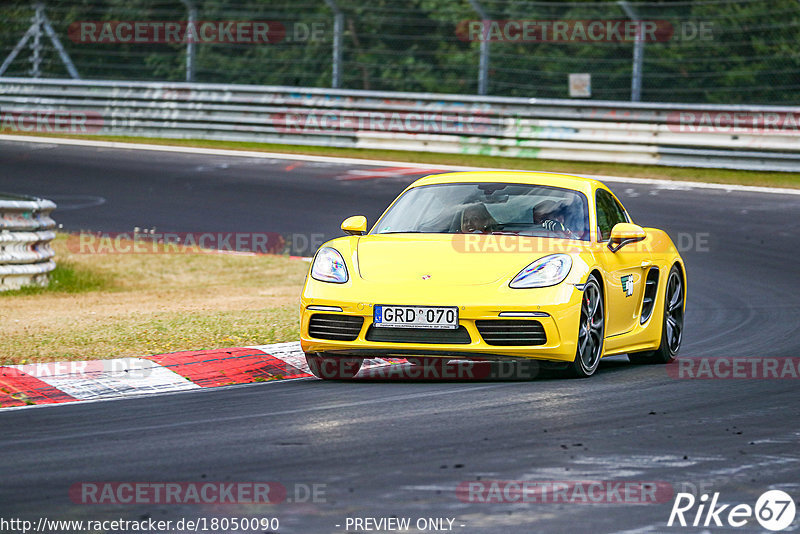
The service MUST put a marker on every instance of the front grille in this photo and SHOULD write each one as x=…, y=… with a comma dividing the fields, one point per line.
x=519, y=332
x=335, y=326
x=459, y=336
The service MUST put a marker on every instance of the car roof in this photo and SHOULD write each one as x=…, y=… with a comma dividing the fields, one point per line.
x=567, y=181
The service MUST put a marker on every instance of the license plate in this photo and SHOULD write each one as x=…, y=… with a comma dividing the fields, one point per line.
x=434, y=317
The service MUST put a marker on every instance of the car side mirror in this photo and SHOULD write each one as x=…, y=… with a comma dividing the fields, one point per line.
x=355, y=225
x=625, y=233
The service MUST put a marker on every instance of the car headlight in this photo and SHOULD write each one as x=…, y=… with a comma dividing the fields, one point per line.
x=329, y=266
x=544, y=272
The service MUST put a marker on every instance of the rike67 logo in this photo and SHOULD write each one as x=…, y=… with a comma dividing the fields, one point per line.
x=774, y=510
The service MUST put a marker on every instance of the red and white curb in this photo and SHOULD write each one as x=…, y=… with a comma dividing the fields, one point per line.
x=59, y=382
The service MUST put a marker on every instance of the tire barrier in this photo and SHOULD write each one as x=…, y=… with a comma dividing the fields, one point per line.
x=26, y=230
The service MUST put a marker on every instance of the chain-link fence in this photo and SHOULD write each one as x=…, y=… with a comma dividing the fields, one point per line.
x=718, y=51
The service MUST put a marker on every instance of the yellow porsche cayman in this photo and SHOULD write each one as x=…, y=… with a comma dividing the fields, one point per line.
x=493, y=266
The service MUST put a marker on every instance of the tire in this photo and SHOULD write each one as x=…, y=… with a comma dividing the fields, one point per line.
x=591, y=331
x=332, y=367
x=671, y=325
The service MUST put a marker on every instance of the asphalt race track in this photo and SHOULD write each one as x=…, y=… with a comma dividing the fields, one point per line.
x=401, y=448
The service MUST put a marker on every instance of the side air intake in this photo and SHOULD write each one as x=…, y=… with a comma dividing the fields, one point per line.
x=650, y=292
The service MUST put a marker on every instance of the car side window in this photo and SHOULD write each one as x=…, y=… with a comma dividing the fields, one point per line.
x=609, y=213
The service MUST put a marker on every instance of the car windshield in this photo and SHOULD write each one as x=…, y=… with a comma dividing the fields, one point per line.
x=489, y=208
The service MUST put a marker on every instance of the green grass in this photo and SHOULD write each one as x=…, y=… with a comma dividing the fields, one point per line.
x=67, y=278
x=723, y=176
x=113, y=305
x=159, y=333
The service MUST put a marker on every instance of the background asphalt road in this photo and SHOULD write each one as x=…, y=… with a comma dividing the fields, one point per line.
x=389, y=448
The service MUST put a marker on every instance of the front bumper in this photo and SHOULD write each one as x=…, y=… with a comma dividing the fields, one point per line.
x=557, y=309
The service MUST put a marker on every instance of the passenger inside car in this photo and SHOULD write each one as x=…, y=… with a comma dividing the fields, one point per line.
x=476, y=218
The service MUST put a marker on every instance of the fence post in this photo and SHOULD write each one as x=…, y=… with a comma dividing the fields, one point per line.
x=483, y=65
x=39, y=21
x=638, y=53
x=36, y=44
x=338, y=29
x=48, y=28
x=190, y=44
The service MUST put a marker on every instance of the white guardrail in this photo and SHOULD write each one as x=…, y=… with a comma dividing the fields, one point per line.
x=765, y=138
x=26, y=231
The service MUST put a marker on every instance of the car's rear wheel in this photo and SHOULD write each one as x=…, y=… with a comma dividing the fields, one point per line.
x=672, y=324
x=591, y=331
x=332, y=367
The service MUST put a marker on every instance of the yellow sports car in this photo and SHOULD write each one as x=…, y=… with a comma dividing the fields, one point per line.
x=495, y=266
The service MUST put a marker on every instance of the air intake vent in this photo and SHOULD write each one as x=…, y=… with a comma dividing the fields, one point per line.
x=334, y=326
x=459, y=336
x=650, y=292
x=522, y=332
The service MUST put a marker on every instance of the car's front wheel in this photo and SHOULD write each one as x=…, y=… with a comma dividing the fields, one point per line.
x=332, y=367
x=591, y=331
x=672, y=325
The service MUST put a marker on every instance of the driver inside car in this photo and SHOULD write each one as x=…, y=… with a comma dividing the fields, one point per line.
x=550, y=216
x=476, y=218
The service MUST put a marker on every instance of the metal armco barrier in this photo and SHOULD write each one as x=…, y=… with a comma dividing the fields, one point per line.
x=26, y=231
x=763, y=138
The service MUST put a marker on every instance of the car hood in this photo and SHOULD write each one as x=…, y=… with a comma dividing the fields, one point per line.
x=450, y=259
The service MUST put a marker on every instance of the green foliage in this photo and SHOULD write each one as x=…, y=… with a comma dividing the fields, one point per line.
x=749, y=53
